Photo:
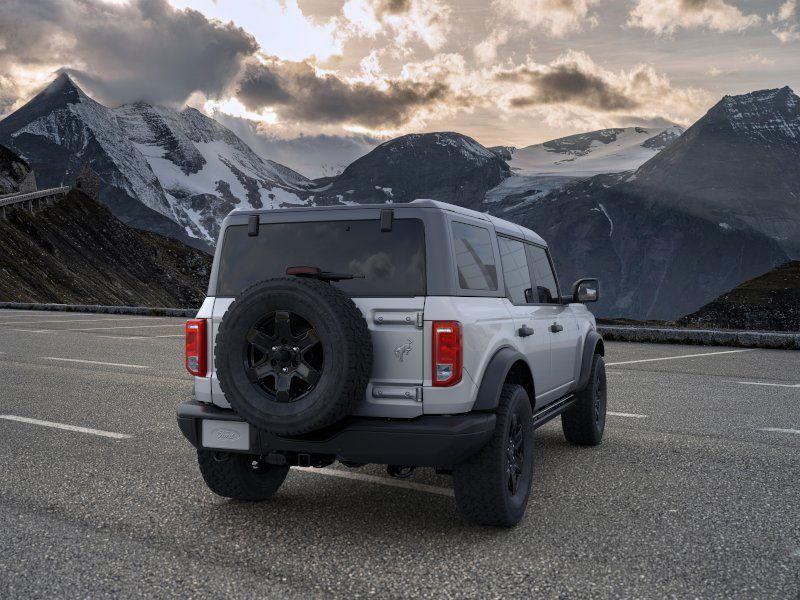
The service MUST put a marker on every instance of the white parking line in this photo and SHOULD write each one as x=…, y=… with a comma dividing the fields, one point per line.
x=94, y=362
x=644, y=360
x=139, y=337
x=779, y=430
x=100, y=432
x=409, y=485
x=98, y=328
x=623, y=414
x=787, y=385
x=4, y=314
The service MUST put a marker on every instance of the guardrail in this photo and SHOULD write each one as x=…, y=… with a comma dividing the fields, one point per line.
x=620, y=333
x=96, y=308
x=788, y=340
x=48, y=195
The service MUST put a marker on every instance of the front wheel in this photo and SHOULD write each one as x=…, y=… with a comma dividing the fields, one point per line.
x=240, y=476
x=492, y=487
x=584, y=422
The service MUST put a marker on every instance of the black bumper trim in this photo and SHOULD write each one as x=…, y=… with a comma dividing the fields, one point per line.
x=427, y=441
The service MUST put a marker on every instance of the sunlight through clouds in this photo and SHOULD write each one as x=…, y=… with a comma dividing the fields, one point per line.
x=280, y=28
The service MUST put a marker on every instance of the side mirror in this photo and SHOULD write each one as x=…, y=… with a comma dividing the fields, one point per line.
x=586, y=290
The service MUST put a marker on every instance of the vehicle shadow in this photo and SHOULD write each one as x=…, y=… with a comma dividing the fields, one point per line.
x=340, y=506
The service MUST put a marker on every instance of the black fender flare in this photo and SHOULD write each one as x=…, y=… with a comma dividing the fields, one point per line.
x=494, y=376
x=593, y=344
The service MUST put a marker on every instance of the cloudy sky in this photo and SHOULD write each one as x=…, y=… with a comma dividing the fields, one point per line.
x=503, y=71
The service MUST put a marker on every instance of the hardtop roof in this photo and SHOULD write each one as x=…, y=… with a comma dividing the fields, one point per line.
x=500, y=225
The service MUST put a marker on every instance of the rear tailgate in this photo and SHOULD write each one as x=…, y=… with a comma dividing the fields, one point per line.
x=398, y=349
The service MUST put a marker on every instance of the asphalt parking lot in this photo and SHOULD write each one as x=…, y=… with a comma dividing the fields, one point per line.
x=695, y=491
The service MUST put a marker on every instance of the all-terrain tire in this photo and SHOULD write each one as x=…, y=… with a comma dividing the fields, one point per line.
x=482, y=483
x=240, y=476
x=344, y=340
x=584, y=422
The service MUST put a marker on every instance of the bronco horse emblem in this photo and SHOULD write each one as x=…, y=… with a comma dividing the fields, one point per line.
x=402, y=351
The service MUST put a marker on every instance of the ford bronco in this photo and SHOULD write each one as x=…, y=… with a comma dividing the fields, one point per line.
x=409, y=335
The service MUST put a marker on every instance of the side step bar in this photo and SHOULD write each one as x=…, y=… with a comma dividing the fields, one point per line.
x=551, y=411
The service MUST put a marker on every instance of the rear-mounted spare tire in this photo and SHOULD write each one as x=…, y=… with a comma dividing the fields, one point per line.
x=293, y=355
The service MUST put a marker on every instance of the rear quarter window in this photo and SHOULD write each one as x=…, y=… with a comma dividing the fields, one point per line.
x=392, y=262
x=474, y=257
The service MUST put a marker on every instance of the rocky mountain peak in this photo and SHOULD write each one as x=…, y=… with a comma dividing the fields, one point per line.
x=762, y=115
x=63, y=85
x=439, y=142
x=445, y=165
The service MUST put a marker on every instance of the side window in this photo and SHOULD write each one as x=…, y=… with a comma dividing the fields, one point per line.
x=546, y=291
x=474, y=257
x=515, y=271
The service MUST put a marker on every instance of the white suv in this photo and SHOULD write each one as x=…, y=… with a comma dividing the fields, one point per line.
x=413, y=335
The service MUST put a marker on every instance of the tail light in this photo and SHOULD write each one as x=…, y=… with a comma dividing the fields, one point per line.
x=446, y=353
x=196, y=348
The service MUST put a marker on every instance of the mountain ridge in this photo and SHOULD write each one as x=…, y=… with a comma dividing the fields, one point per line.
x=739, y=164
x=76, y=251
x=444, y=165
x=182, y=165
x=633, y=226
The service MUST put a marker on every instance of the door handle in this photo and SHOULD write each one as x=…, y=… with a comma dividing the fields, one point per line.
x=556, y=327
x=524, y=331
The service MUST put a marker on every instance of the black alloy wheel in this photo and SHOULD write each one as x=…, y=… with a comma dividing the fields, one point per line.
x=293, y=355
x=515, y=453
x=283, y=356
x=600, y=397
x=585, y=421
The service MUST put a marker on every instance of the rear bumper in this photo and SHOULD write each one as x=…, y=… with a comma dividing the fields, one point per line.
x=426, y=441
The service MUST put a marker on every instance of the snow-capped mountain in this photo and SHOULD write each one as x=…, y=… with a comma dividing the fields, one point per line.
x=594, y=153
x=542, y=168
x=718, y=206
x=176, y=172
x=446, y=166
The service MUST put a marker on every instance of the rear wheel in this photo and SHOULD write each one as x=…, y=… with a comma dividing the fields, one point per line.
x=240, y=476
x=492, y=487
x=584, y=422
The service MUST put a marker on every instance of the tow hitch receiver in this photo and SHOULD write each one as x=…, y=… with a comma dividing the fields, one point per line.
x=400, y=471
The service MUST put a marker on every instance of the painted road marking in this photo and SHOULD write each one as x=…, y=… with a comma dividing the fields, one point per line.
x=98, y=328
x=139, y=337
x=409, y=485
x=100, y=432
x=623, y=414
x=644, y=360
x=779, y=430
x=73, y=321
x=94, y=362
x=786, y=385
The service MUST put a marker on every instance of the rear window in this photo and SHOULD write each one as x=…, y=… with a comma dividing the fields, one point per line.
x=392, y=262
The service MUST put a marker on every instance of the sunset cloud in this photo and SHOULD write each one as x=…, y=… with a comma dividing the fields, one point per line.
x=787, y=22
x=141, y=50
x=573, y=84
x=555, y=17
x=406, y=21
x=297, y=91
x=385, y=67
x=664, y=17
